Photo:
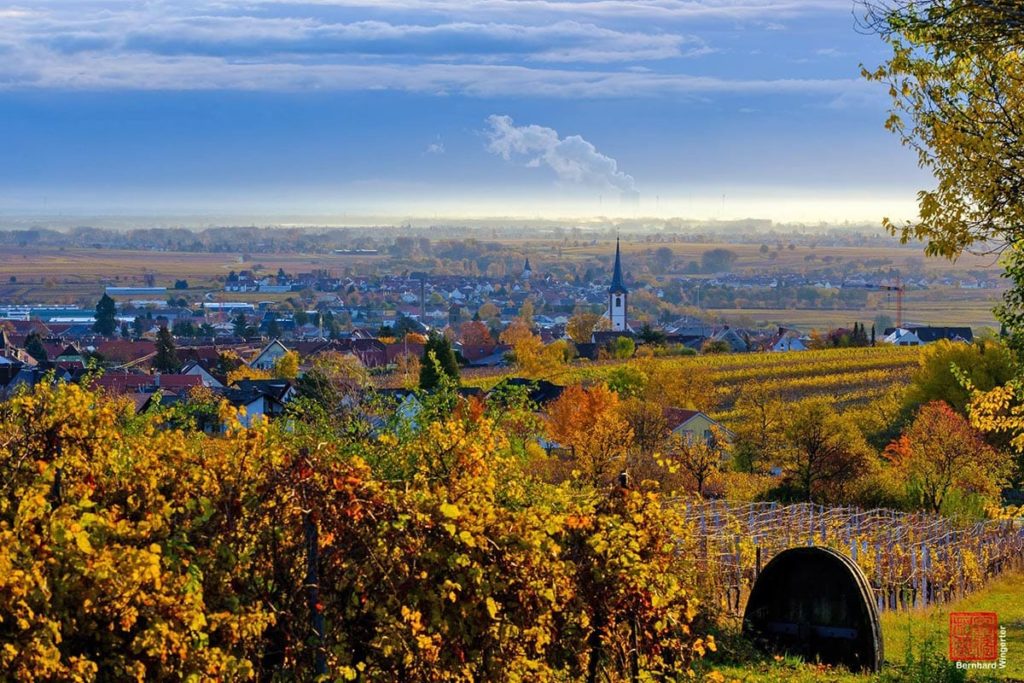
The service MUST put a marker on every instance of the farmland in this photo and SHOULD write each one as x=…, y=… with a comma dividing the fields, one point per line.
x=851, y=377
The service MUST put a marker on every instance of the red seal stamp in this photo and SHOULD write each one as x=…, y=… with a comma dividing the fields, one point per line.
x=973, y=636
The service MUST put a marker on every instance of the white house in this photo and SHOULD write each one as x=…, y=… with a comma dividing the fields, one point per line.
x=903, y=337
x=268, y=357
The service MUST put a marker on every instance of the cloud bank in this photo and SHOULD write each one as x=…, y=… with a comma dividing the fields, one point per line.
x=482, y=48
x=573, y=159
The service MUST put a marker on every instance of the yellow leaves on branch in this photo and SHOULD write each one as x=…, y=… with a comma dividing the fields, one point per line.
x=131, y=551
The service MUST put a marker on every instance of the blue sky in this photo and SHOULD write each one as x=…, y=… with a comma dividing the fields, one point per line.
x=696, y=108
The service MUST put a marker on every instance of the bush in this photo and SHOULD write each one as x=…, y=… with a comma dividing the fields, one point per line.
x=130, y=550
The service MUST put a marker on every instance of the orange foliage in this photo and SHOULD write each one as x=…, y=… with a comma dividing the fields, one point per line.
x=587, y=420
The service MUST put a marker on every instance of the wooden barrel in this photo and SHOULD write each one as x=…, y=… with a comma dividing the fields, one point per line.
x=816, y=603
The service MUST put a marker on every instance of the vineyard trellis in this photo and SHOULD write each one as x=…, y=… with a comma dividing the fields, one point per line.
x=911, y=559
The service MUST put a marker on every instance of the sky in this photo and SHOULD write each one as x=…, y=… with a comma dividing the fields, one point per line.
x=707, y=109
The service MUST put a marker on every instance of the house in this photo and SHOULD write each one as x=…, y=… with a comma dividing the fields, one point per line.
x=269, y=355
x=194, y=368
x=539, y=392
x=693, y=424
x=787, y=340
x=260, y=398
x=902, y=337
x=926, y=334
x=737, y=342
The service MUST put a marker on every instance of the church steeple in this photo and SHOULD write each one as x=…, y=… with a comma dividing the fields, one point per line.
x=617, y=286
x=527, y=270
x=618, y=295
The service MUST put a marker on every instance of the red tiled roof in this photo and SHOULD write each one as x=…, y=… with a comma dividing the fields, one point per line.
x=125, y=351
x=678, y=416
x=179, y=382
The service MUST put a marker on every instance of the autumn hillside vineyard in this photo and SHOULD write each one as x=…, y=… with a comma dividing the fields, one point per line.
x=134, y=551
x=911, y=560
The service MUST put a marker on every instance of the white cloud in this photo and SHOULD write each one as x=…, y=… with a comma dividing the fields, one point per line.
x=572, y=158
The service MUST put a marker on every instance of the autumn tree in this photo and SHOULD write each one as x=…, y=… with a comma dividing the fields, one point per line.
x=944, y=366
x=335, y=381
x=532, y=356
x=287, y=366
x=587, y=421
x=825, y=452
x=647, y=423
x=758, y=442
x=475, y=333
x=697, y=459
x=956, y=79
x=583, y=324
x=940, y=453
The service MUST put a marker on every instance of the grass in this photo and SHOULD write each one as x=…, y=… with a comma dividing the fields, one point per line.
x=921, y=632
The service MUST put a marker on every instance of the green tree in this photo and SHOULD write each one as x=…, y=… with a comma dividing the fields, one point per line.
x=438, y=360
x=241, y=326
x=942, y=366
x=623, y=347
x=139, y=326
x=273, y=329
x=34, y=346
x=825, y=452
x=106, y=317
x=956, y=78
x=166, y=359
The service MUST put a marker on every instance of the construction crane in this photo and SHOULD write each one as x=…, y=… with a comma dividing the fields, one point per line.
x=899, y=288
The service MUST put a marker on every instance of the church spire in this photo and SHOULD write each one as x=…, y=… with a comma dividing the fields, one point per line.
x=617, y=286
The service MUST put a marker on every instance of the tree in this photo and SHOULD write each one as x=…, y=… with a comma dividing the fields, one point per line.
x=241, y=326
x=438, y=361
x=623, y=347
x=184, y=328
x=273, y=328
x=649, y=335
x=758, y=443
x=697, y=458
x=34, y=346
x=662, y=260
x=942, y=366
x=106, y=317
x=825, y=452
x=956, y=79
x=717, y=260
x=139, y=326
x=166, y=359
x=581, y=326
x=475, y=333
x=334, y=379
x=287, y=366
x=713, y=346
x=940, y=453
x=181, y=284
x=647, y=421
x=587, y=421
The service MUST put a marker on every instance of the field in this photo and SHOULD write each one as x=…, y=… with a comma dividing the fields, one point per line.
x=78, y=275
x=851, y=377
x=67, y=275
x=938, y=306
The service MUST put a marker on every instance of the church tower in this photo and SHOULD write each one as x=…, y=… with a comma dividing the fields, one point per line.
x=527, y=271
x=618, y=296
